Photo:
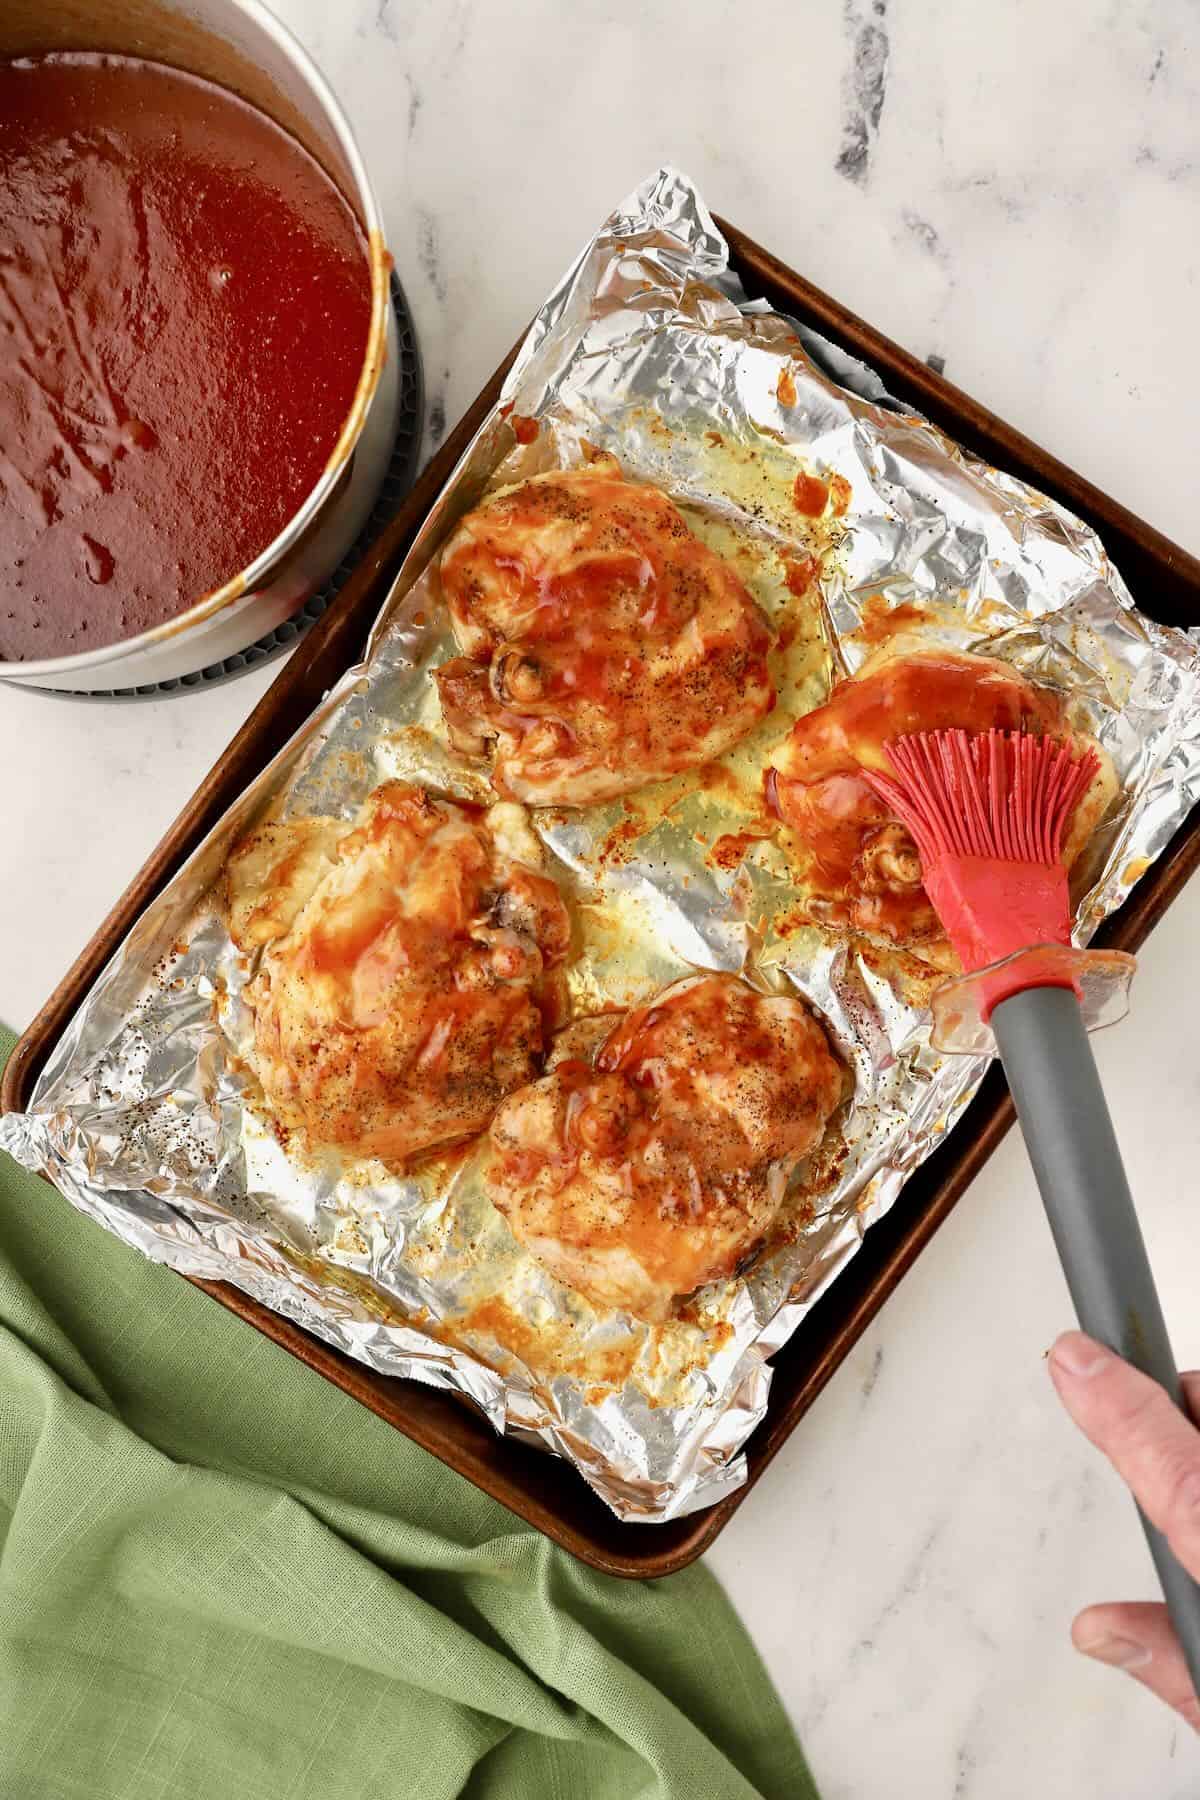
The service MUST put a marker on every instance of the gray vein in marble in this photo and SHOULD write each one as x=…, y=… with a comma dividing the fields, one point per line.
x=925, y=235
x=864, y=88
x=436, y=416
x=385, y=21
x=908, y=1584
x=964, y=1768
x=1085, y=1489
x=966, y=1760
x=867, y=1644
x=456, y=20
x=428, y=252
x=1176, y=168
x=1012, y=194
x=872, y=1375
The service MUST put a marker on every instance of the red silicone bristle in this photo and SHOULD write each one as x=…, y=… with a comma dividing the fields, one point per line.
x=1001, y=794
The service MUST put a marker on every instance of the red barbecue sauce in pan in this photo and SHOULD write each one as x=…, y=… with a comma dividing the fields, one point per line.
x=185, y=299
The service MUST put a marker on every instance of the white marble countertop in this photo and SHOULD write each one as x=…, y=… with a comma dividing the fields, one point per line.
x=1014, y=188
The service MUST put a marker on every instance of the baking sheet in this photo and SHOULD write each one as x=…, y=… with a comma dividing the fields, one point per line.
x=147, y=1117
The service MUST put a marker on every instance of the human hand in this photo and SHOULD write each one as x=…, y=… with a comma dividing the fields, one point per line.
x=1156, y=1450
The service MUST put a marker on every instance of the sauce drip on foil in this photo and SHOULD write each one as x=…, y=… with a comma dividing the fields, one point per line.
x=184, y=306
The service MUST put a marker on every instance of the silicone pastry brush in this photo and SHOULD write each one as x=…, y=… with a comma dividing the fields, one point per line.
x=988, y=813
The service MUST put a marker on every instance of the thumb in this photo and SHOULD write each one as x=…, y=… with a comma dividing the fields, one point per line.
x=1137, y=1637
x=1153, y=1446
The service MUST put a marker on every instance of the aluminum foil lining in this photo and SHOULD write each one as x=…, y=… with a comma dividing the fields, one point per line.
x=147, y=1116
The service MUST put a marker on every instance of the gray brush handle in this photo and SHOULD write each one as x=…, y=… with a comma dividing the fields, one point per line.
x=1073, y=1149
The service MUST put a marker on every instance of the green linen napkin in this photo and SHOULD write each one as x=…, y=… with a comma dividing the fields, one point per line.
x=221, y=1579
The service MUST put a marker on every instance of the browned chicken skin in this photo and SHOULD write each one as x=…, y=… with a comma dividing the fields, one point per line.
x=862, y=872
x=604, y=646
x=407, y=997
x=655, y=1154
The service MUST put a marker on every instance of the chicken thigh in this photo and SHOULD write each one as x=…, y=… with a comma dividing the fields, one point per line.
x=604, y=646
x=406, y=996
x=861, y=871
x=654, y=1155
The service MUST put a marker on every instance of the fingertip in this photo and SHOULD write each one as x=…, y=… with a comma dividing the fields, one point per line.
x=1136, y=1635
x=1087, y=1626
x=1103, y=1633
x=1078, y=1356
